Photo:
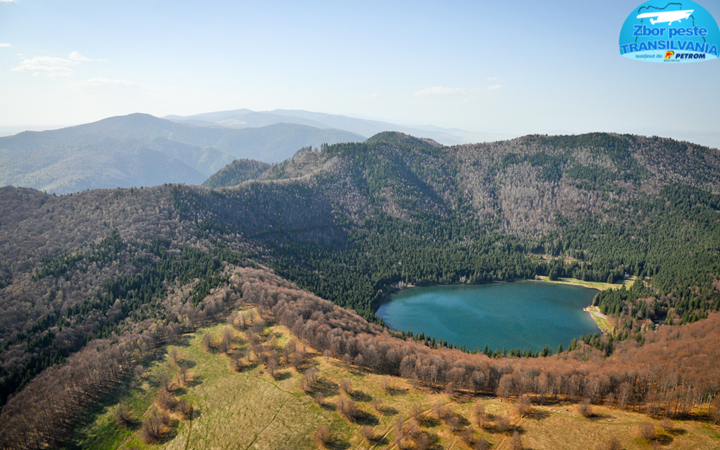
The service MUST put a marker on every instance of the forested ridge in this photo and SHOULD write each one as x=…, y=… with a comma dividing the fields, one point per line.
x=351, y=222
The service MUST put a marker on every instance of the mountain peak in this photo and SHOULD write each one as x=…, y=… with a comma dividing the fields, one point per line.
x=395, y=137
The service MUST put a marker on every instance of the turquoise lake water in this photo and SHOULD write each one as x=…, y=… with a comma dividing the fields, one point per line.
x=522, y=314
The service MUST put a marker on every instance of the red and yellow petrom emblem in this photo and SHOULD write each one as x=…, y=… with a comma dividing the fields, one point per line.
x=669, y=54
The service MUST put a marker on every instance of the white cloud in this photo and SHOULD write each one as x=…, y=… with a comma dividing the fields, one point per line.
x=75, y=56
x=51, y=66
x=494, y=87
x=7, y=1
x=46, y=65
x=3, y=45
x=439, y=90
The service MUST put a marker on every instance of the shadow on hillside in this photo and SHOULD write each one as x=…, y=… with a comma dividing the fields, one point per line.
x=338, y=444
x=365, y=418
x=184, y=341
x=360, y=396
x=462, y=420
x=327, y=387
x=537, y=414
x=397, y=391
x=284, y=375
x=429, y=421
x=664, y=439
x=179, y=391
x=676, y=431
x=196, y=381
x=328, y=406
x=388, y=411
x=111, y=398
x=189, y=363
x=596, y=417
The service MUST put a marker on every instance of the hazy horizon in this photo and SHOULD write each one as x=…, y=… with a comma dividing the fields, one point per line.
x=510, y=69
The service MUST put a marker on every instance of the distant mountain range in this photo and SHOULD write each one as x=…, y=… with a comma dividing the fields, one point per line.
x=143, y=150
x=245, y=118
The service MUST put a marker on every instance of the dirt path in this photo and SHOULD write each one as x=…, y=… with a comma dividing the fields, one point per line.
x=390, y=427
x=507, y=438
x=268, y=424
x=187, y=443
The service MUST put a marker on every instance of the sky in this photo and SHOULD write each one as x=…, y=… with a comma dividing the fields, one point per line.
x=515, y=67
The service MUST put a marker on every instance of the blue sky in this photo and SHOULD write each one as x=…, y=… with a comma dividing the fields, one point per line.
x=500, y=67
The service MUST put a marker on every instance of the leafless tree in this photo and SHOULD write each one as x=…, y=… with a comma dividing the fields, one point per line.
x=386, y=384
x=523, y=405
x=298, y=358
x=377, y=403
x=467, y=435
x=516, y=441
x=155, y=427
x=585, y=409
x=272, y=366
x=415, y=411
x=666, y=424
x=166, y=401
x=503, y=424
x=346, y=386
x=481, y=444
x=323, y=436
x=347, y=408
x=174, y=355
x=226, y=340
x=646, y=430
x=184, y=375
x=184, y=408
x=123, y=415
x=368, y=434
x=480, y=415
x=208, y=342
x=164, y=382
x=438, y=409
x=612, y=444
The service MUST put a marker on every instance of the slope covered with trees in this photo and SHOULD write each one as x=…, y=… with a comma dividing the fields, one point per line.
x=236, y=172
x=350, y=222
x=142, y=150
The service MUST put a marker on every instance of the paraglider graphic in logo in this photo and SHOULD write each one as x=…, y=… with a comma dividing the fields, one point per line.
x=670, y=32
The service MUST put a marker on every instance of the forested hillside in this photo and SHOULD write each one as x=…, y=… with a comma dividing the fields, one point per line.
x=236, y=172
x=142, y=150
x=352, y=221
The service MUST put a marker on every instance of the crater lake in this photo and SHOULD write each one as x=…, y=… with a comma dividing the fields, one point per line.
x=521, y=314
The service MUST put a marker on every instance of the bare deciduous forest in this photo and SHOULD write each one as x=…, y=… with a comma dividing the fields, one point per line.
x=93, y=283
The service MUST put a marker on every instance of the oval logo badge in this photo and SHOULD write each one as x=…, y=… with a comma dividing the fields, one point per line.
x=670, y=32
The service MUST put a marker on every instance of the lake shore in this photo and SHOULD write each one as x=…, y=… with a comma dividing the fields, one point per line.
x=603, y=321
x=516, y=315
x=600, y=286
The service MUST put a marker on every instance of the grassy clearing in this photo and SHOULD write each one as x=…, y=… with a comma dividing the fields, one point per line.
x=591, y=284
x=232, y=410
x=252, y=410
